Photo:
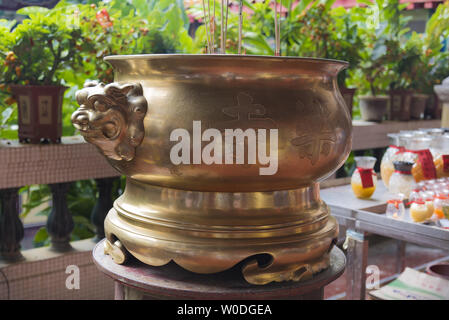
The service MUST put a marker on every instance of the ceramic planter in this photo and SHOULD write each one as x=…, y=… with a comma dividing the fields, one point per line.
x=373, y=108
x=400, y=105
x=434, y=107
x=418, y=105
x=40, y=112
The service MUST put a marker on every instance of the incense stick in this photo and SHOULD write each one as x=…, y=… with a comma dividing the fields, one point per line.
x=279, y=30
x=226, y=26
x=205, y=24
x=240, y=27
x=213, y=31
x=276, y=34
x=210, y=27
x=222, y=27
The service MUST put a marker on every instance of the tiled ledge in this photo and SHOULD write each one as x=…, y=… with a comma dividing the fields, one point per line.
x=43, y=275
x=371, y=135
x=72, y=160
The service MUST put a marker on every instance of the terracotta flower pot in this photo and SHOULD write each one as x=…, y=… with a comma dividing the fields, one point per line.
x=433, y=107
x=418, y=105
x=373, y=108
x=400, y=105
x=40, y=112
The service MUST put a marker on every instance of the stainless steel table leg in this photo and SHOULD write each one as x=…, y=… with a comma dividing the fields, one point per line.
x=122, y=292
x=400, y=255
x=357, y=256
x=119, y=291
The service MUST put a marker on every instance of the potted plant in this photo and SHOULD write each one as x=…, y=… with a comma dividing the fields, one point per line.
x=400, y=57
x=38, y=51
x=419, y=76
x=433, y=64
x=438, y=72
x=373, y=77
x=346, y=45
x=373, y=101
x=407, y=65
x=386, y=63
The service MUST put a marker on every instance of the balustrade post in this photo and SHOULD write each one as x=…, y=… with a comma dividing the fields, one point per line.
x=11, y=227
x=103, y=205
x=60, y=222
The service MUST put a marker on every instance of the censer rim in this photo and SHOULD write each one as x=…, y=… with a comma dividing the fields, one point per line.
x=227, y=56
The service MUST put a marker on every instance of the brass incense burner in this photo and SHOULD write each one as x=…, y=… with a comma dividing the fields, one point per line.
x=223, y=155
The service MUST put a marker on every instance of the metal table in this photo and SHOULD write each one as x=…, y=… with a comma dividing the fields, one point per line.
x=352, y=215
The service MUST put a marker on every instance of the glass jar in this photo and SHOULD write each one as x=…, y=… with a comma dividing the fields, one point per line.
x=390, y=155
x=440, y=201
x=402, y=181
x=422, y=185
x=436, y=132
x=404, y=139
x=429, y=198
x=364, y=179
x=419, y=211
x=418, y=152
x=441, y=158
x=415, y=194
x=395, y=209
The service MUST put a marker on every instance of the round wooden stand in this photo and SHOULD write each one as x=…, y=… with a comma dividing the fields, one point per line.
x=136, y=280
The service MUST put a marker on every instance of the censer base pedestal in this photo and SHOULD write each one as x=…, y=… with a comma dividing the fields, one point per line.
x=136, y=280
x=279, y=236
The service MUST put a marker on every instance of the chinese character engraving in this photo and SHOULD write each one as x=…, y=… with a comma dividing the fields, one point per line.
x=314, y=135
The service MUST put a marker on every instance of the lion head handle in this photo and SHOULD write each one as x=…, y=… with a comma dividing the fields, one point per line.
x=111, y=117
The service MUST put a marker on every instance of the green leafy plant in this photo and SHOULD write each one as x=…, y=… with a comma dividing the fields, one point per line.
x=40, y=48
x=331, y=33
x=122, y=27
x=37, y=51
x=8, y=114
x=129, y=27
x=382, y=47
x=347, y=42
x=81, y=199
x=316, y=33
x=433, y=64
